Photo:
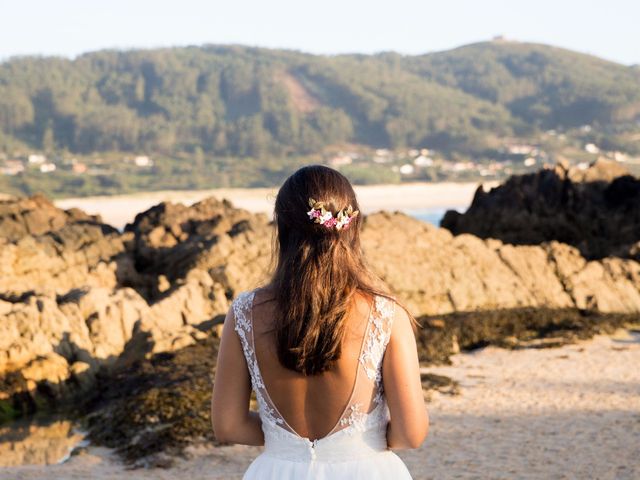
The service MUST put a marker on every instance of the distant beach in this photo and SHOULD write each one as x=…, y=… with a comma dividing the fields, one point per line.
x=426, y=201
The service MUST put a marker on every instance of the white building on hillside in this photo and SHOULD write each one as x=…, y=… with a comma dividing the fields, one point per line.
x=36, y=158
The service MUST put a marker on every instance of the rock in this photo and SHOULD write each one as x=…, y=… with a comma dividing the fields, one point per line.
x=52, y=368
x=35, y=216
x=232, y=244
x=39, y=442
x=171, y=323
x=70, y=287
x=551, y=342
x=20, y=217
x=609, y=285
x=110, y=317
x=597, y=210
x=538, y=275
x=51, y=347
x=525, y=327
x=159, y=404
x=83, y=374
x=432, y=382
x=434, y=272
x=76, y=255
x=602, y=170
x=81, y=299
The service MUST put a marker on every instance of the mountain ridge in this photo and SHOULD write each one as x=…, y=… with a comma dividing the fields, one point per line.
x=233, y=99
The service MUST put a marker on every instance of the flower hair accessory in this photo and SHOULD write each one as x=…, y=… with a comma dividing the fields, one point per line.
x=324, y=217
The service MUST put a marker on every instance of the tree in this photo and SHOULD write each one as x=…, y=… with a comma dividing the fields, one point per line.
x=48, y=141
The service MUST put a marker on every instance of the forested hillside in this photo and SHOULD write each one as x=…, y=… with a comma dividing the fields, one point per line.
x=243, y=101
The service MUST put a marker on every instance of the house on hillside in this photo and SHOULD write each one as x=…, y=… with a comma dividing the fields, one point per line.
x=12, y=167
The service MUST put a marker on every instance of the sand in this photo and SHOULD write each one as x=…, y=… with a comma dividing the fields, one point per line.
x=119, y=209
x=571, y=412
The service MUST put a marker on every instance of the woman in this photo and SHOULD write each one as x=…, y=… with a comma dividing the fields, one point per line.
x=331, y=358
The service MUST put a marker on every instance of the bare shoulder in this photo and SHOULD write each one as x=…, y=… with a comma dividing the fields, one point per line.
x=400, y=314
x=403, y=325
x=263, y=313
x=394, y=310
x=263, y=294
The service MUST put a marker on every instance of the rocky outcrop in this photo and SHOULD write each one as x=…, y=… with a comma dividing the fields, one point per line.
x=78, y=297
x=597, y=210
x=435, y=272
x=44, y=248
x=36, y=215
x=44, y=442
x=441, y=336
x=52, y=346
x=230, y=244
x=156, y=405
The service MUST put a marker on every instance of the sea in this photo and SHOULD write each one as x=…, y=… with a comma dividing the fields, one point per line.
x=433, y=215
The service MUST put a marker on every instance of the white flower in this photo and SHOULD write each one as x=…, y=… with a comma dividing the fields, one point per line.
x=325, y=217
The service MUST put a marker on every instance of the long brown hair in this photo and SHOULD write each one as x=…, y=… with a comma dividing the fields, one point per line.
x=318, y=270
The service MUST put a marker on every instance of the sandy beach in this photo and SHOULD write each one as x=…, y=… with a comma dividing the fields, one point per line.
x=571, y=412
x=119, y=209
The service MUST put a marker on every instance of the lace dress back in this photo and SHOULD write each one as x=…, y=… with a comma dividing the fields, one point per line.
x=358, y=436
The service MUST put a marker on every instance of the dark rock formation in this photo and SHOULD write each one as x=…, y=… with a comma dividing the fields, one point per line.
x=37, y=215
x=170, y=240
x=443, y=335
x=155, y=406
x=439, y=383
x=596, y=210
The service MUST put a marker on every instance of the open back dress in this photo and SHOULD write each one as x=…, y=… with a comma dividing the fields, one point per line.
x=356, y=447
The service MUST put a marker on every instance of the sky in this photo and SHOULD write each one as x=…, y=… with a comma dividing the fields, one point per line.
x=608, y=29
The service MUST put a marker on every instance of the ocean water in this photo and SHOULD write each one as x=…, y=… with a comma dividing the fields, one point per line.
x=433, y=215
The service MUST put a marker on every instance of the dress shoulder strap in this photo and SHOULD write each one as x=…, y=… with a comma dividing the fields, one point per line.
x=377, y=337
x=241, y=308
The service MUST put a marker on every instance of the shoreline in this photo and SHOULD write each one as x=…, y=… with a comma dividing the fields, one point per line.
x=117, y=210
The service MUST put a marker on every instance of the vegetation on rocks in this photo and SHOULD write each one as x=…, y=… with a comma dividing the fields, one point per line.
x=158, y=406
x=155, y=406
x=441, y=336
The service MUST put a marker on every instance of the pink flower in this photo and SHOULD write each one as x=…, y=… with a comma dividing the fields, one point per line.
x=313, y=213
x=325, y=217
x=330, y=223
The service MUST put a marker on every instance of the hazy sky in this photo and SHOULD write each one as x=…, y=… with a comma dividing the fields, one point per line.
x=610, y=29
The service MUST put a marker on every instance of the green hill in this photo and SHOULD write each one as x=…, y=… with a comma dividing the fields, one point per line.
x=244, y=101
x=545, y=86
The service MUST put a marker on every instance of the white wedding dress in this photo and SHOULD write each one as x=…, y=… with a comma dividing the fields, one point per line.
x=356, y=448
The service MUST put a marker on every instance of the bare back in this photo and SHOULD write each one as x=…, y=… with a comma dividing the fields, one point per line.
x=317, y=406
x=342, y=423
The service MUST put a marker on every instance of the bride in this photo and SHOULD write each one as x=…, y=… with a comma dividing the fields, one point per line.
x=330, y=355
